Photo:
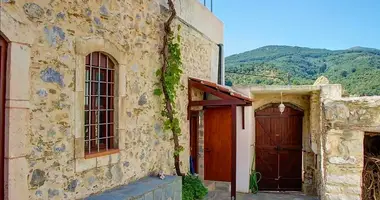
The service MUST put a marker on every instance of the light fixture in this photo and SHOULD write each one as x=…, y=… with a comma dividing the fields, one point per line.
x=281, y=107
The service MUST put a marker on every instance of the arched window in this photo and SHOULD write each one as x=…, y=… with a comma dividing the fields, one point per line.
x=99, y=104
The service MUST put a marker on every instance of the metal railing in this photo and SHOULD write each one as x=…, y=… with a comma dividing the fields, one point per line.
x=208, y=4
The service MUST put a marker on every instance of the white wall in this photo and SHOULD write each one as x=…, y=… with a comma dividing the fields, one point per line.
x=201, y=18
x=214, y=63
x=196, y=15
x=243, y=154
x=244, y=144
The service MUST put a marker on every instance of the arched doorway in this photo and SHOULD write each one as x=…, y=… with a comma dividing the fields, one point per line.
x=3, y=71
x=279, y=147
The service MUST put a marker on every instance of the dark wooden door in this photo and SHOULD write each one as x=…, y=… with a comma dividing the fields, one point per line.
x=217, y=144
x=3, y=64
x=194, y=124
x=279, y=148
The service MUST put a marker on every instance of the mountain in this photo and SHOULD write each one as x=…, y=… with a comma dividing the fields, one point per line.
x=357, y=68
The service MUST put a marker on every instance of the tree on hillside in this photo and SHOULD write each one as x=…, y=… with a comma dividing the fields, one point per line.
x=344, y=73
x=228, y=83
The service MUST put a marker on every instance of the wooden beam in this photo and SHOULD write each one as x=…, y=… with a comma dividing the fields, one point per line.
x=243, y=117
x=233, y=154
x=247, y=104
x=216, y=103
x=189, y=99
x=211, y=91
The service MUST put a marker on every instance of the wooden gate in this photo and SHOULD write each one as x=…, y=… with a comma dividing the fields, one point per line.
x=217, y=144
x=3, y=57
x=279, y=148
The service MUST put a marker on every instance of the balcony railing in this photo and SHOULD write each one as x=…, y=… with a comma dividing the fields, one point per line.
x=208, y=4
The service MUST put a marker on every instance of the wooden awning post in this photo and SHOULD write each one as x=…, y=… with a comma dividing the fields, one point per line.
x=233, y=155
x=242, y=118
x=189, y=99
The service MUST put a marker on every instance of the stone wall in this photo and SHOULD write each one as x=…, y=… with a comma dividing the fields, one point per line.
x=345, y=122
x=149, y=188
x=56, y=35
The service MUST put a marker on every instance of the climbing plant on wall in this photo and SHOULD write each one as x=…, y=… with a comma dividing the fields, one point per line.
x=170, y=75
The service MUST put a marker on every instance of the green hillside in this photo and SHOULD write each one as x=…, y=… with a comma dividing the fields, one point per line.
x=357, y=69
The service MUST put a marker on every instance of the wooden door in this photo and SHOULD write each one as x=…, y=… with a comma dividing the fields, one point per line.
x=217, y=144
x=279, y=148
x=194, y=124
x=3, y=63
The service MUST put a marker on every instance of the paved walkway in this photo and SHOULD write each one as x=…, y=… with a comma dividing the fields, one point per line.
x=219, y=195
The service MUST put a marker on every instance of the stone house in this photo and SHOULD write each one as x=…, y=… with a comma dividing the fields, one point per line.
x=77, y=81
x=78, y=114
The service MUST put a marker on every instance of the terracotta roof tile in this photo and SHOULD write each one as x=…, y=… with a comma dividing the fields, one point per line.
x=222, y=88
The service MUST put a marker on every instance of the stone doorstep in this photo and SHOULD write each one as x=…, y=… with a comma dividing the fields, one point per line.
x=223, y=186
x=210, y=185
x=149, y=188
x=217, y=185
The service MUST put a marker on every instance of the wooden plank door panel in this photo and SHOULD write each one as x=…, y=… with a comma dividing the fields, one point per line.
x=266, y=138
x=290, y=170
x=217, y=144
x=267, y=166
x=279, y=148
x=266, y=156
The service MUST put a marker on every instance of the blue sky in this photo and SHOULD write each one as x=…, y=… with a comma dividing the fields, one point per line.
x=331, y=24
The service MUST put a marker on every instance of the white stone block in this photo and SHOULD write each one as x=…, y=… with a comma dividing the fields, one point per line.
x=18, y=70
x=347, y=179
x=342, y=197
x=16, y=178
x=15, y=133
x=341, y=160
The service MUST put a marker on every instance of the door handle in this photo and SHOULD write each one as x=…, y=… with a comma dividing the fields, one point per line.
x=207, y=150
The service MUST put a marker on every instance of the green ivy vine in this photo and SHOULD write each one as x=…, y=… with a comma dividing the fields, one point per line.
x=170, y=76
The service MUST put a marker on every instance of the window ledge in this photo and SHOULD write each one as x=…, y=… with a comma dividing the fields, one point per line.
x=94, y=160
x=102, y=153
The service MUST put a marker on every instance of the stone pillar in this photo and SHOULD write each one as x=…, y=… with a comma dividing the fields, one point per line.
x=315, y=112
x=331, y=91
x=315, y=134
x=17, y=122
x=343, y=164
x=342, y=154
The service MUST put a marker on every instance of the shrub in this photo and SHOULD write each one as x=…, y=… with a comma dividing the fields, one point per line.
x=192, y=188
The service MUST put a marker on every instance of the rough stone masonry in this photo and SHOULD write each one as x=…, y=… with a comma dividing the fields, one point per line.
x=56, y=35
x=346, y=121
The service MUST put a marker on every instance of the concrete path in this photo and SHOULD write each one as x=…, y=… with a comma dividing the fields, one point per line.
x=220, y=195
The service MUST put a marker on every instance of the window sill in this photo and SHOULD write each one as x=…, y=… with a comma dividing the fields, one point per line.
x=102, y=153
